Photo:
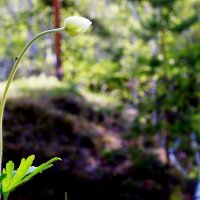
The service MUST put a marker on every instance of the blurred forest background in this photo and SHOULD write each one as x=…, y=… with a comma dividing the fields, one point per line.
x=119, y=104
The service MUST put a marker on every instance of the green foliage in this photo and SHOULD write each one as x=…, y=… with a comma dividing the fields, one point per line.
x=149, y=48
x=145, y=42
x=167, y=77
x=11, y=178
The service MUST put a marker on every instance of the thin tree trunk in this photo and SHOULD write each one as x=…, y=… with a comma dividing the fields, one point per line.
x=57, y=7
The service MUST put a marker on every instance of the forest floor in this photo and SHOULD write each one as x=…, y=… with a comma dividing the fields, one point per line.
x=88, y=131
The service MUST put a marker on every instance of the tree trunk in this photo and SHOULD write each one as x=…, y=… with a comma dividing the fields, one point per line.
x=57, y=7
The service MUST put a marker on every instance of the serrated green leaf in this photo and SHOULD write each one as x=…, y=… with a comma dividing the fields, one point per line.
x=31, y=169
x=40, y=169
x=21, y=171
x=9, y=174
x=24, y=173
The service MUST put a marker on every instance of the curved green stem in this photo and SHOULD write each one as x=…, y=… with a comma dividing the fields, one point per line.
x=10, y=78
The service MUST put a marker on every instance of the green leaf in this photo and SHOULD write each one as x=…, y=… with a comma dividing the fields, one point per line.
x=13, y=178
x=9, y=173
x=21, y=172
x=40, y=169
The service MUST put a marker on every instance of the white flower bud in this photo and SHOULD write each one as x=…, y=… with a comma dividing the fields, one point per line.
x=76, y=25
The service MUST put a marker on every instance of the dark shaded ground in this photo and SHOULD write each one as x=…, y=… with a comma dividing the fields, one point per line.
x=96, y=162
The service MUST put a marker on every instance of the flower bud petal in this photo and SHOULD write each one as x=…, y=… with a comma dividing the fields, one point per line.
x=76, y=25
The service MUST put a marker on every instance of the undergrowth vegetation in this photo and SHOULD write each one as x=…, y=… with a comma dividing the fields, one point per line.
x=87, y=136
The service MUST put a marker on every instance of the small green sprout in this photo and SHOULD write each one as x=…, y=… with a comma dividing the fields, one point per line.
x=14, y=178
x=65, y=195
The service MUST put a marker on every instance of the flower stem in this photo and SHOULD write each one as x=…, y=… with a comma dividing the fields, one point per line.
x=6, y=197
x=10, y=78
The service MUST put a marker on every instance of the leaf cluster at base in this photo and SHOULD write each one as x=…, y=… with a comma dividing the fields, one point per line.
x=10, y=178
